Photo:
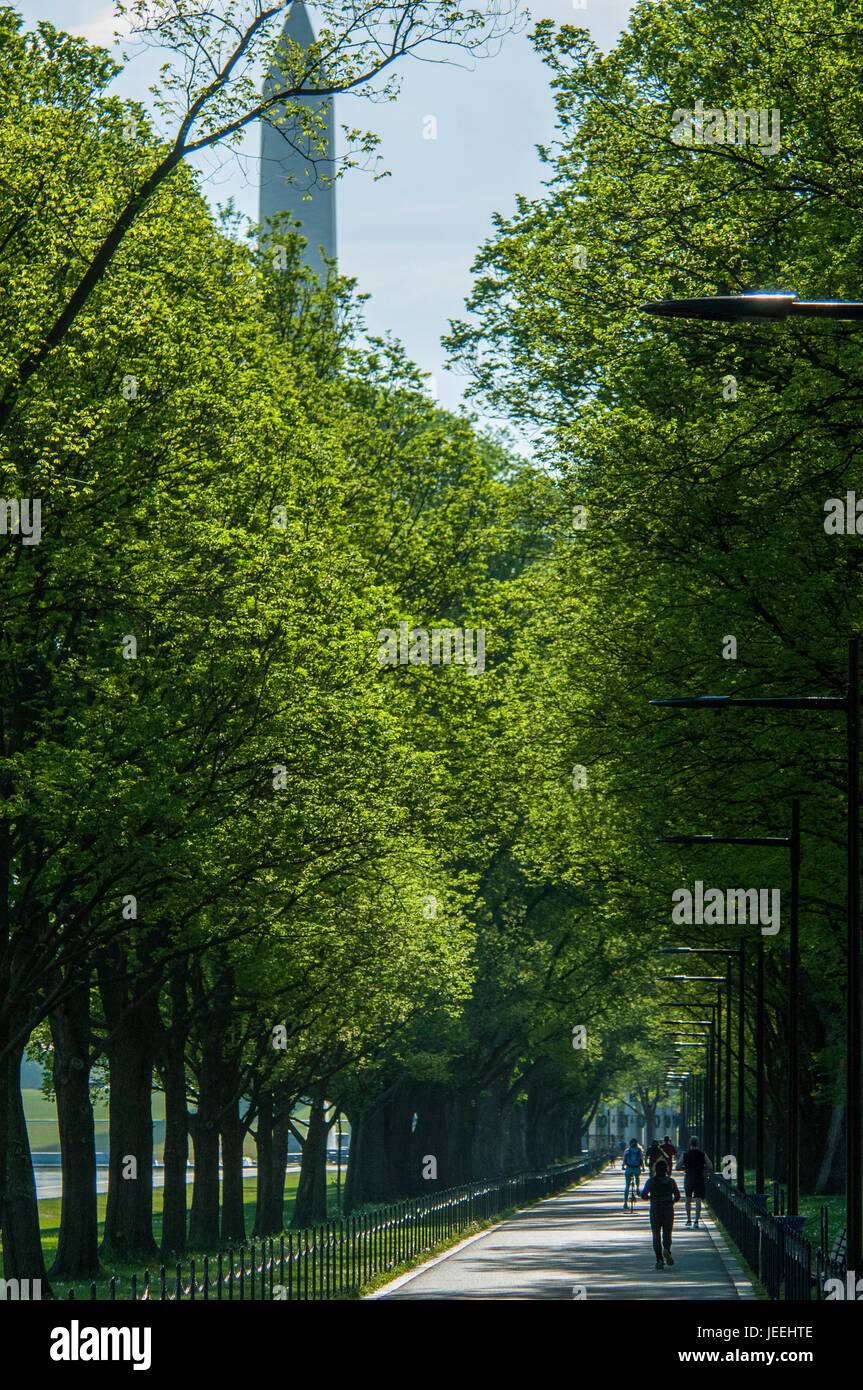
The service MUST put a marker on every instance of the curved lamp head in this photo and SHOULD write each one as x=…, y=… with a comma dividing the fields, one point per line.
x=754, y=308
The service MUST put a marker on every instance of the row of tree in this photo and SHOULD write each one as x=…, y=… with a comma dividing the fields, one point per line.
x=703, y=458
x=246, y=861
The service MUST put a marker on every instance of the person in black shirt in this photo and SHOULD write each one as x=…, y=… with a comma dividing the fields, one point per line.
x=653, y=1154
x=695, y=1164
x=663, y=1192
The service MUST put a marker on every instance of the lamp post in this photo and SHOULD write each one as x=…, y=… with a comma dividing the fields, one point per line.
x=676, y=1081
x=715, y=1059
x=849, y=703
x=740, y=952
x=680, y=1080
x=710, y=1108
x=792, y=844
x=778, y=307
x=695, y=1093
x=699, y=1039
x=754, y=308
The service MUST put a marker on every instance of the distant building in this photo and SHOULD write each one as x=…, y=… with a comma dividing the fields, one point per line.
x=613, y=1123
x=291, y=170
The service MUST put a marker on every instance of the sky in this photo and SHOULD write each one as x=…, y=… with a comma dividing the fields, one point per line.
x=409, y=239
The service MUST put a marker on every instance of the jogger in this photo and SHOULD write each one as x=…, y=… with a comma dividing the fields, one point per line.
x=663, y=1193
x=695, y=1164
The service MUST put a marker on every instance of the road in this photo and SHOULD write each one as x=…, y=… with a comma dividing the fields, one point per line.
x=50, y=1184
x=582, y=1239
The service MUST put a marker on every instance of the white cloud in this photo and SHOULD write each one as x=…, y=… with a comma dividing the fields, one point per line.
x=100, y=29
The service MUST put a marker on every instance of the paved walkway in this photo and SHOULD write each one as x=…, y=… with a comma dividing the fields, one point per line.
x=581, y=1238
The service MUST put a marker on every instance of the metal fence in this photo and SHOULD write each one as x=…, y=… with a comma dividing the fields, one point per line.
x=780, y=1257
x=739, y=1215
x=337, y=1257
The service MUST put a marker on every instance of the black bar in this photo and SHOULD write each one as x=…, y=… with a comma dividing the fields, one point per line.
x=741, y=1072
x=728, y=1059
x=854, y=1206
x=759, y=1073
x=794, y=1020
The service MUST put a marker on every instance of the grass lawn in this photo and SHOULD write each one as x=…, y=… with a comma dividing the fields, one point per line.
x=49, y=1217
x=49, y=1213
x=810, y=1207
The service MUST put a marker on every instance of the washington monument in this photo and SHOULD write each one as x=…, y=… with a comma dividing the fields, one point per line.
x=291, y=170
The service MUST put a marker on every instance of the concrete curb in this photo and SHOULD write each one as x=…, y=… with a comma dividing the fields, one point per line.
x=462, y=1245
x=429, y=1264
x=742, y=1286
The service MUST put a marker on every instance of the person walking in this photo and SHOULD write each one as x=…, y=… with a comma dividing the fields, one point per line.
x=669, y=1150
x=633, y=1165
x=653, y=1154
x=662, y=1192
x=695, y=1165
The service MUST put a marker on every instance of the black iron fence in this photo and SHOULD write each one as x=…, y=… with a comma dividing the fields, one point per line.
x=780, y=1257
x=740, y=1217
x=339, y=1256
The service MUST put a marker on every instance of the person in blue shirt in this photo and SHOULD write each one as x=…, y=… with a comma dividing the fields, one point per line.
x=633, y=1164
x=662, y=1192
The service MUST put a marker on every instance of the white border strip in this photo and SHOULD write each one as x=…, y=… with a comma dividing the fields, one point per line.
x=429, y=1264
x=742, y=1287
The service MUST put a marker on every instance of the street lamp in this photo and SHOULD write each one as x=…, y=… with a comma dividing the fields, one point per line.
x=704, y=1086
x=754, y=307
x=792, y=844
x=680, y=1080
x=714, y=1058
x=689, y=1093
x=741, y=1072
x=849, y=704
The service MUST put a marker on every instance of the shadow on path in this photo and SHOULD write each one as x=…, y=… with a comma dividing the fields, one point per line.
x=582, y=1238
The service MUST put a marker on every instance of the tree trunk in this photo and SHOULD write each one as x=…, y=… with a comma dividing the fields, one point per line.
x=78, y=1244
x=129, y=1212
x=514, y=1156
x=233, y=1208
x=432, y=1138
x=311, y=1203
x=204, y=1218
x=22, y=1244
x=264, y=1225
x=832, y=1172
x=176, y=1152
x=281, y=1136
